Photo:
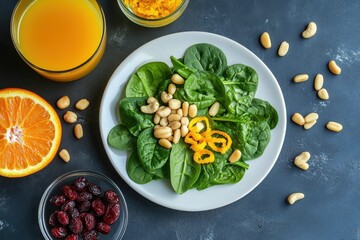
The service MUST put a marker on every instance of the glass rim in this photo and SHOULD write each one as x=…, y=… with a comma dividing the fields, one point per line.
x=98, y=49
x=128, y=11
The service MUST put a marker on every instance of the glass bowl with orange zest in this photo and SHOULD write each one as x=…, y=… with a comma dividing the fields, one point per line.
x=153, y=13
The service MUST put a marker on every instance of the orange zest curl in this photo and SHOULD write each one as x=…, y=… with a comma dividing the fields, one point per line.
x=204, y=156
x=224, y=142
x=201, y=137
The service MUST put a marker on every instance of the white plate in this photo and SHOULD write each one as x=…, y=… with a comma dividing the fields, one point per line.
x=161, y=49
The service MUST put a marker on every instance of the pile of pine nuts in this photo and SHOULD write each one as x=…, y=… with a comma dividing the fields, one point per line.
x=309, y=120
x=71, y=117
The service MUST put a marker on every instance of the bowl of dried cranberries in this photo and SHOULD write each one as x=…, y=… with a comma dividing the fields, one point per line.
x=83, y=205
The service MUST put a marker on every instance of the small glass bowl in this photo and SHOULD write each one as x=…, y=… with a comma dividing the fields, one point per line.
x=105, y=183
x=159, y=22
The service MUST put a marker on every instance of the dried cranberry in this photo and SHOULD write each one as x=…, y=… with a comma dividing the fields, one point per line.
x=112, y=213
x=59, y=232
x=91, y=235
x=94, y=189
x=69, y=204
x=98, y=206
x=84, y=196
x=84, y=206
x=103, y=228
x=58, y=200
x=69, y=192
x=80, y=184
x=73, y=213
x=89, y=222
x=76, y=226
x=63, y=218
x=82, y=215
x=111, y=196
x=72, y=237
x=53, y=219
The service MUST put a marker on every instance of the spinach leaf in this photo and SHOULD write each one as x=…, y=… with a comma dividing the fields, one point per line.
x=263, y=111
x=203, y=89
x=210, y=171
x=183, y=170
x=136, y=171
x=120, y=137
x=132, y=117
x=251, y=138
x=206, y=57
x=151, y=155
x=241, y=79
x=145, y=81
x=230, y=174
x=180, y=68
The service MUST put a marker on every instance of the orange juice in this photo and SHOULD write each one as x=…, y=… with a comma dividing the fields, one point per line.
x=61, y=39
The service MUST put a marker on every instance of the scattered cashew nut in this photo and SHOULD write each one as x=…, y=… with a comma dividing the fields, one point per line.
x=292, y=198
x=310, y=30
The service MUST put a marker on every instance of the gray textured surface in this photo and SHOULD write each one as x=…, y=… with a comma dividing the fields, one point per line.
x=330, y=209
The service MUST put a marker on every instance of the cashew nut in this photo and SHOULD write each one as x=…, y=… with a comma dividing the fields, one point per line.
x=301, y=160
x=165, y=97
x=310, y=30
x=151, y=108
x=292, y=198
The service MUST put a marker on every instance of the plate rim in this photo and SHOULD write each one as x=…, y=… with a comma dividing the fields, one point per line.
x=212, y=35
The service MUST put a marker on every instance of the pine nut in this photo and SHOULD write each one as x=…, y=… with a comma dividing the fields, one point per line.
x=199, y=126
x=192, y=110
x=318, y=82
x=157, y=118
x=78, y=131
x=292, y=198
x=323, y=94
x=214, y=109
x=164, y=121
x=311, y=117
x=164, y=112
x=151, y=100
x=283, y=49
x=265, y=40
x=185, y=108
x=309, y=125
x=235, y=156
x=334, y=126
x=179, y=112
x=174, y=104
x=298, y=119
x=310, y=30
x=165, y=143
x=63, y=102
x=334, y=68
x=70, y=117
x=165, y=97
x=175, y=125
x=64, y=155
x=174, y=117
x=82, y=104
x=171, y=88
x=301, y=160
x=300, y=78
x=162, y=132
x=177, y=135
x=184, y=130
x=177, y=79
x=184, y=121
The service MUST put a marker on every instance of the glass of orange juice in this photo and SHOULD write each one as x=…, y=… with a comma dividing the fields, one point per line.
x=63, y=40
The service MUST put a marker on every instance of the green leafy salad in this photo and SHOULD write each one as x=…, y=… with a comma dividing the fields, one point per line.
x=207, y=80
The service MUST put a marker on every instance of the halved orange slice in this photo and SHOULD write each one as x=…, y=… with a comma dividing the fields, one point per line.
x=30, y=132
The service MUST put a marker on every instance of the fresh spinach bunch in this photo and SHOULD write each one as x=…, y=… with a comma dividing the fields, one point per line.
x=248, y=120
